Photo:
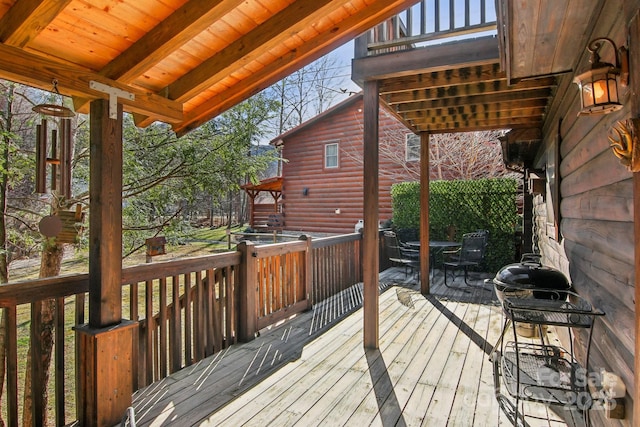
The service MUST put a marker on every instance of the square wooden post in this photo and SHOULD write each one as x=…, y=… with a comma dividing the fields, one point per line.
x=105, y=375
x=424, y=214
x=308, y=270
x=105, y=344
x=248, y=320
x=370, y=235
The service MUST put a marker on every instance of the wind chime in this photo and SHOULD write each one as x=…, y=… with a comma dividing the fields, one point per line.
x=56, y=153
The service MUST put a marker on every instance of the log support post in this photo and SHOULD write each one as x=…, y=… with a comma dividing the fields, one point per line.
x=370, y=235
x=424, y=214
x=105, y=344
x=248, y=290
x=634, y=79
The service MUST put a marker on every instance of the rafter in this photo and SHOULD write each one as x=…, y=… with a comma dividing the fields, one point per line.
x=179, y=28
x=476, y=99
x=469, y=89
x=302, y=55
x=484, y=73
x=267, y=35
x=476, y=125
x=475, y=108
x=27, y=18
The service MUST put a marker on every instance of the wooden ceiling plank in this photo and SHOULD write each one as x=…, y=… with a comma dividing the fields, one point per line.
x=180, y=27
x=268, y=34
x=28, y=18
x=25, y=68
x=482, y=88
x=302, y=55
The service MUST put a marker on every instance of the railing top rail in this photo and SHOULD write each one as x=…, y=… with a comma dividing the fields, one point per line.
x=156, y=270
x=26, y=291
x=334, y=240
x=275, y=249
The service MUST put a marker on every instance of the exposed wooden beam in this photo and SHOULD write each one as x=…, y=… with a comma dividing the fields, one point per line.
x=476, y=125
x=183, y=25
x=267, y=35
x=472, y=108
x=28, y=18
x=431, y=118
x=476, y=100
x=302, y=55
x=465, y=53
x=469, y=89
x=477, y=73
x=22, y=67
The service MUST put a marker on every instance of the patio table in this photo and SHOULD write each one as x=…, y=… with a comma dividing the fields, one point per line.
x=436, y=247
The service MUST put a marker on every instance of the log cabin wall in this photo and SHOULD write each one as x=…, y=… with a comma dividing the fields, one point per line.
x=313, y=195
x=589, y=236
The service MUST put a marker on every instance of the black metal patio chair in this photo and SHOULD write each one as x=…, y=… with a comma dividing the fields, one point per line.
x=400, y=255
x=471, y=254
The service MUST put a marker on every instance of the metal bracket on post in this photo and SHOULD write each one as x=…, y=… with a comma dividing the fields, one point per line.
x=113, y=93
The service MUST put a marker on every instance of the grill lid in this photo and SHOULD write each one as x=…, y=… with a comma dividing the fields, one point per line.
x=529, y=273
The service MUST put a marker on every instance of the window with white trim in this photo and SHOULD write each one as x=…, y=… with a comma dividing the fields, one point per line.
x=331, y=155
x=412, y=147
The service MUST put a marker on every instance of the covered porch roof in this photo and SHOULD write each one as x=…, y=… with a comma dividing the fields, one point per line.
x=184, y=61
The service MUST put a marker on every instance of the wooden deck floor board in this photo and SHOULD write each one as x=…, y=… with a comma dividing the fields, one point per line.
x=432, y=367
x=344, y=341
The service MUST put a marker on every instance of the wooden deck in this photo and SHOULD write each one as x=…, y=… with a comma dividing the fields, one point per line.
x=432, y=368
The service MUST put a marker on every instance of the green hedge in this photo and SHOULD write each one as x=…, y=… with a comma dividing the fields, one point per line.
x=461, y=207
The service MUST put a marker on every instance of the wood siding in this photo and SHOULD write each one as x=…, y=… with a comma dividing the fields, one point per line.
x=595, y=247
x=340, y=188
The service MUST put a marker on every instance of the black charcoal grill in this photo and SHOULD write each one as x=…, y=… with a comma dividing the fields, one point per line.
x=524, y=278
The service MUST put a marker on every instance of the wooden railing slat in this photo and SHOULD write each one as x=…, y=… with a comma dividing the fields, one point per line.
x=149, y=329
x=11, y=325
x=59, y=362
x=188, y=328
x=175, y=347
x=163, y=327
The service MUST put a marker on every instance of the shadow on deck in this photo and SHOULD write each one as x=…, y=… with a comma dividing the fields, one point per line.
x=432, y=367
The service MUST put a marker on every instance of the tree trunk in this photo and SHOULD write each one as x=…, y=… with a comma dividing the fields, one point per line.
x=4, y=263
x=51, y=261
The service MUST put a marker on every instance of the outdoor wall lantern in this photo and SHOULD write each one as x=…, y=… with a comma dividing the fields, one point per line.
x=599, y=92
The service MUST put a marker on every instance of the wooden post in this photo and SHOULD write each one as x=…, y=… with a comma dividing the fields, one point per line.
x=248, y=320
x=634, y=79
x=105, y=226
x=370, y=235
x=105, y=345
x=424, y=214
x=308, y=269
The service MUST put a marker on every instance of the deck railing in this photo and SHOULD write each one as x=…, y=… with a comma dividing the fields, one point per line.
x=426, y=21
x=186, y=310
